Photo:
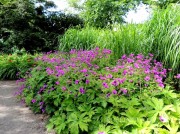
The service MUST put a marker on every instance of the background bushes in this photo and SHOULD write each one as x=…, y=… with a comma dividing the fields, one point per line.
x=25, y=24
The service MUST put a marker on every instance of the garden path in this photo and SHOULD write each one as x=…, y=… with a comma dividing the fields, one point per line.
x=15, y=118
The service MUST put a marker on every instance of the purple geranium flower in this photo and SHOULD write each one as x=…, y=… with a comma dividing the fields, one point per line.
x=84, y=70
x=101, y=133
x=125, y=72
x=76, y=81
x=87, y=81
x=114, y=92
x=115, y=83
x=124, y=90
x=147, y=78
x=105, y=85
x=63, y=88
x=178, y=76
x=161, y=85
x=81, y=90
x=162, y=119
x=57, y=83
x=33, y=100
x=108, y=95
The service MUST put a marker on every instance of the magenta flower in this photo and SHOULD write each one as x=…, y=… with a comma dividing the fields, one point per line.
x=105, y=85
x=151, y=55
x=114, y=92
x=33, y=100
x=49, y=71
x=178, y=76
x=101, y=133
x=147, y=78
x=84, y=70
x=161, y=85
x=109, y=76
x=159, y=81
x=60, y=72
x=129, y=60
x=136, y=65
x=147, y=71
x=108, y=95
x=124, y=90
x=106, y=51
x=43, y=110
x=102, y=78
x=115, y=83
x=57, y=83
x=63, y=88
x=162, y=119
x=76, y=81
x=121, y=81
x=81, y=90
x=87, y=81
x=125, y=72
x=123, y=57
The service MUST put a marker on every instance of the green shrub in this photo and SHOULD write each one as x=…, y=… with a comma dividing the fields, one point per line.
x=15, y=66
x=84, y=94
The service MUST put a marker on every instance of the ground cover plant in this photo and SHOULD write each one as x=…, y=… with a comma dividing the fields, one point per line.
x=14, y=66
x=83, y=92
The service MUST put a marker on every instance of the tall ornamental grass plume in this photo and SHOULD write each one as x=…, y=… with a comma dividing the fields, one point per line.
x=126, y=39
x=84, y=94
x=164, y=30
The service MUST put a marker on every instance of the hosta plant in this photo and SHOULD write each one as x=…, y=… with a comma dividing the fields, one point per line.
x=82, y=92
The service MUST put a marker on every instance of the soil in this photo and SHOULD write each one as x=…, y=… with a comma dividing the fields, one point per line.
x=15, y=117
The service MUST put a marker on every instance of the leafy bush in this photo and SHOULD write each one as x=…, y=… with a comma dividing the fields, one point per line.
x=28, y=24
x=83, y=93
x=15, y=66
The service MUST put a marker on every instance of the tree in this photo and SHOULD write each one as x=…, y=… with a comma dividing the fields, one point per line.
x=101, y=13
x=32, y=27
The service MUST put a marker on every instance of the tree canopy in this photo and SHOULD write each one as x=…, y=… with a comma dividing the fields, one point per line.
x=31, y=26
x=100, y=13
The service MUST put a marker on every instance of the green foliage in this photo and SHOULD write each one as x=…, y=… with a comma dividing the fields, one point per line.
x=126, y=39
x=15, y=66
x=34, y=28
x=52, y=87
x=160, y=3
x=102, y=13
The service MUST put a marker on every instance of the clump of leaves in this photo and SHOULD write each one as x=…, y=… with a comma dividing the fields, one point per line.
x=83, y=93
x=15, y=66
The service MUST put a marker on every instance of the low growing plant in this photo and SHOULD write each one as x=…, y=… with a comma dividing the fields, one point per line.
x=15, y=66
x=83, y=93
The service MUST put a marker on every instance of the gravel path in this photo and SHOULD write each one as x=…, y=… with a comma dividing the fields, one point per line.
x=14, y=117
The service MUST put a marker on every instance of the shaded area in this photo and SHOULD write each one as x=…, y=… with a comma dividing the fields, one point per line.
x=14, y=117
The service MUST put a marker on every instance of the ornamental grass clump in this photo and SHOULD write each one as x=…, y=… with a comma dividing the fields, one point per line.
x=84, y=94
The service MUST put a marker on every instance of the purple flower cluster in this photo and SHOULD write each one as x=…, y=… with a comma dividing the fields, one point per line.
x=77, y=72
